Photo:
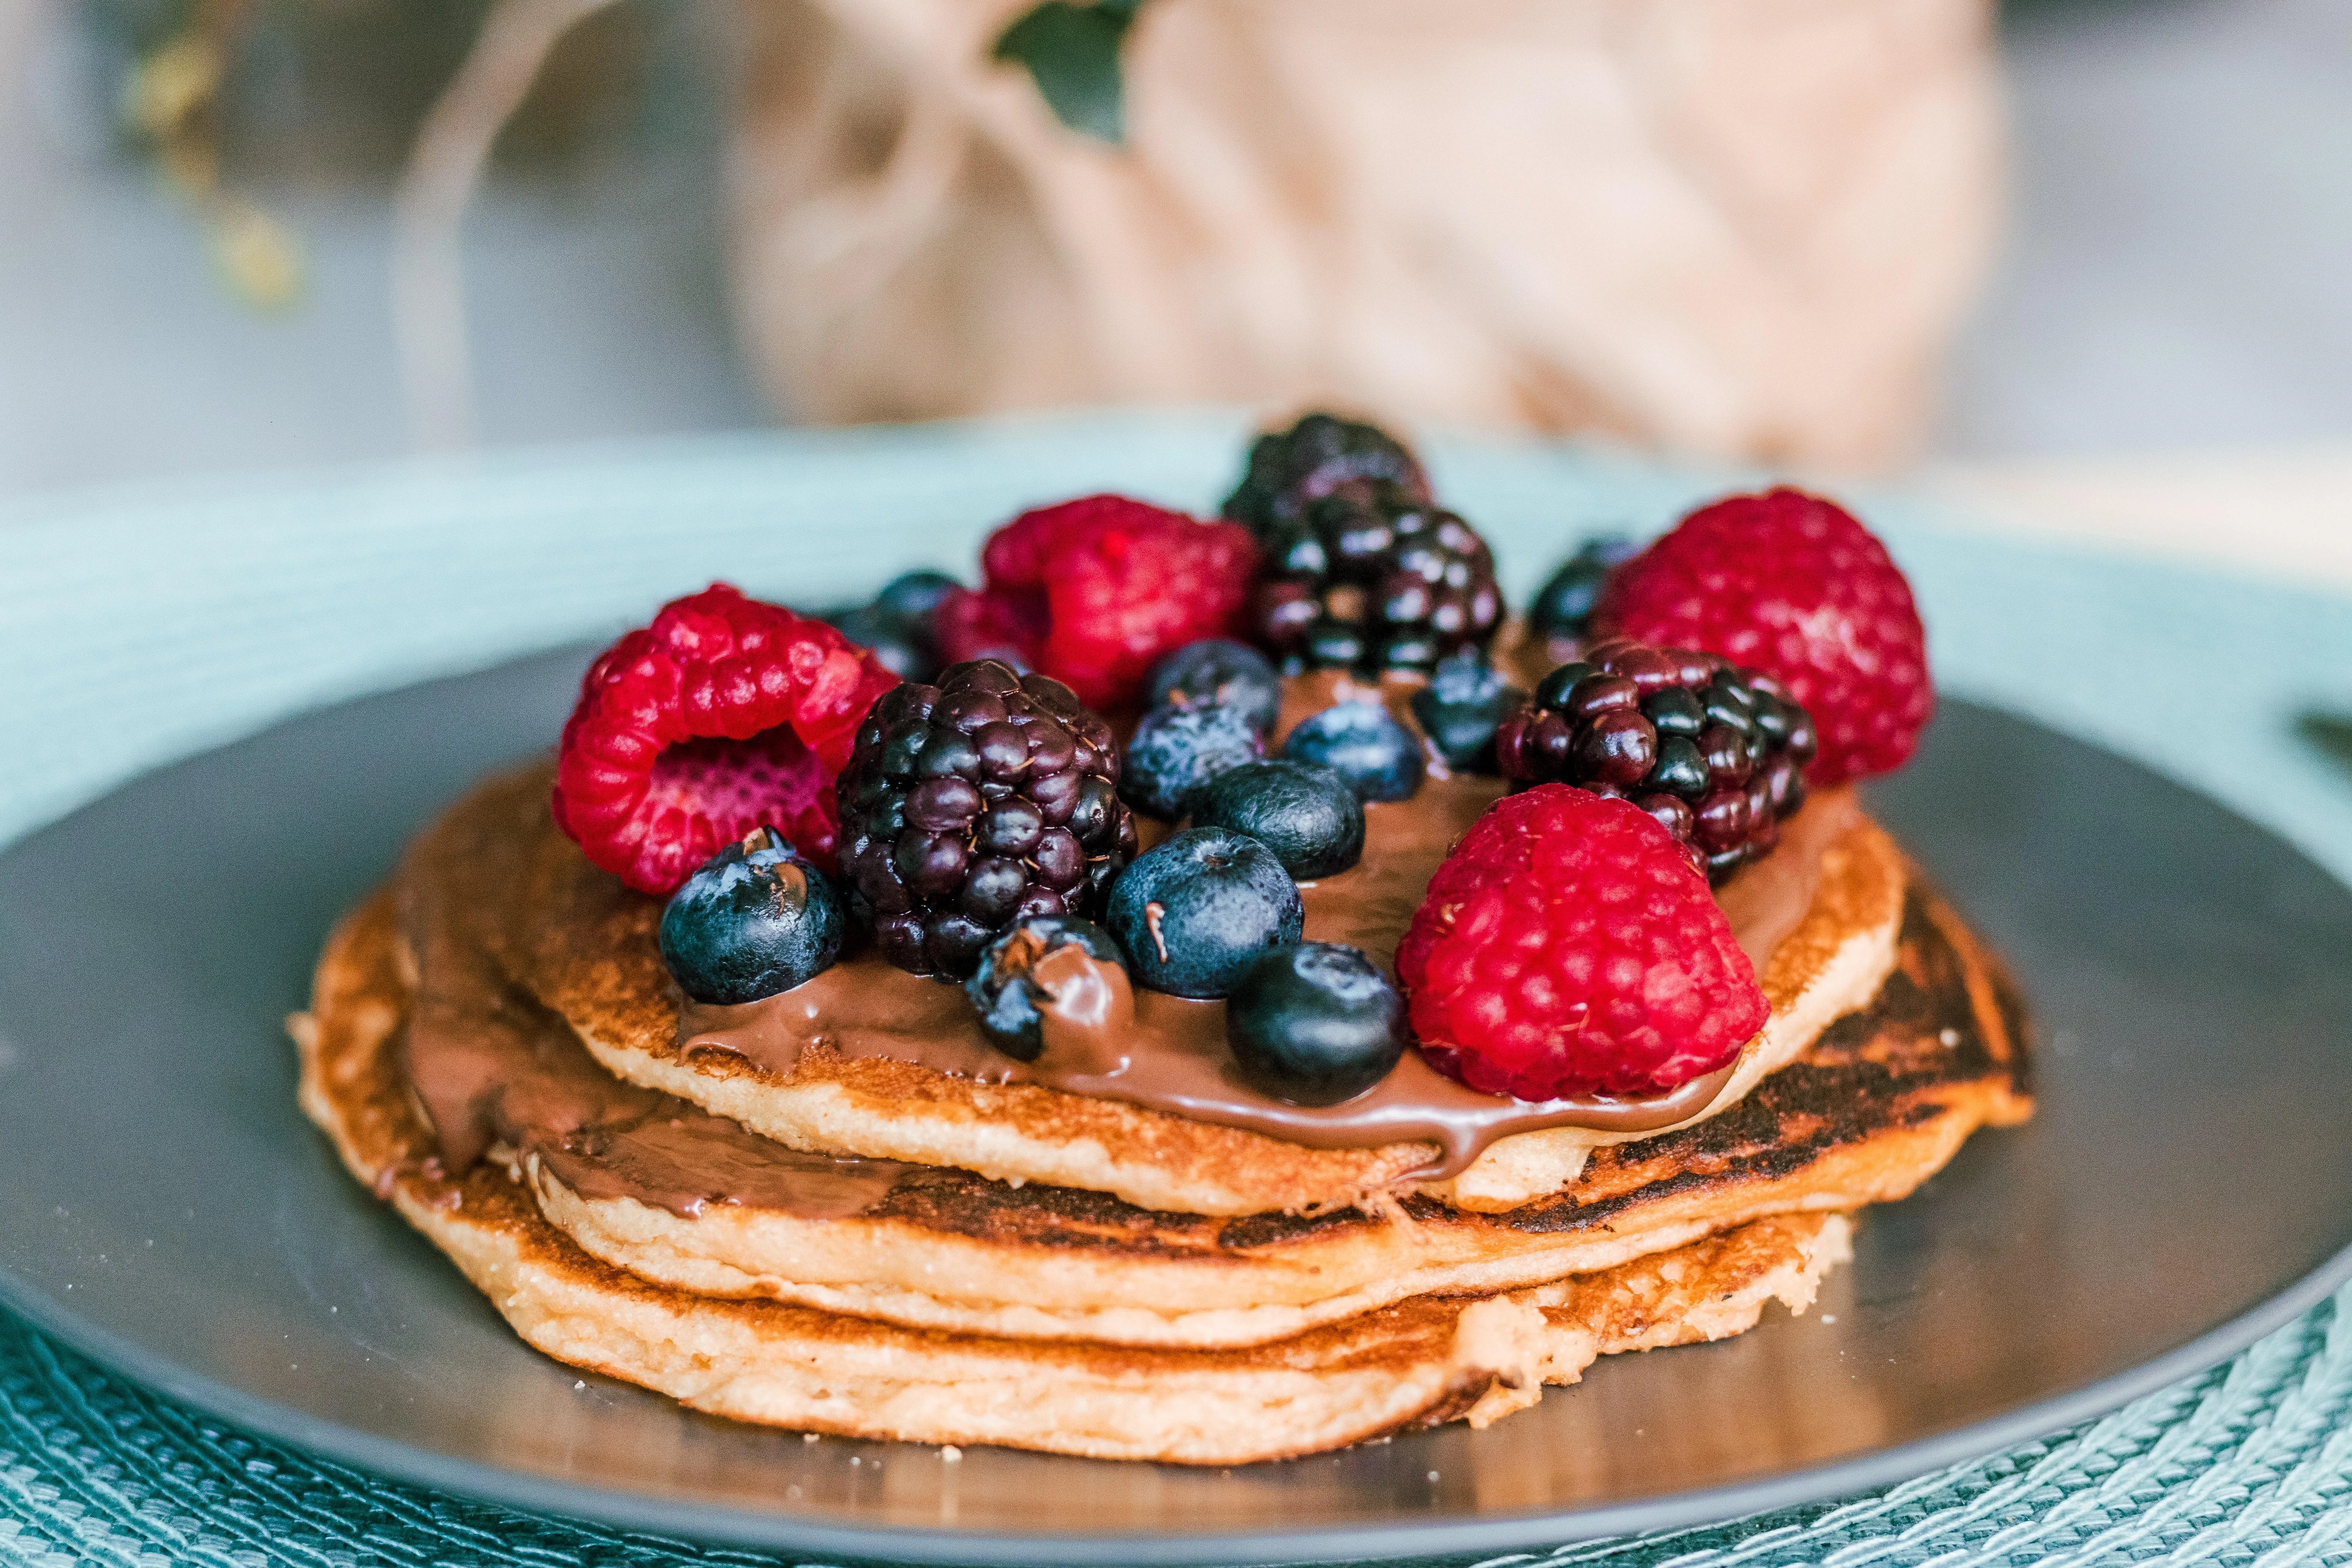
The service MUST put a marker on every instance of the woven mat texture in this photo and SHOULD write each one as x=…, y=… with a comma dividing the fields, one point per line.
x=190, y=615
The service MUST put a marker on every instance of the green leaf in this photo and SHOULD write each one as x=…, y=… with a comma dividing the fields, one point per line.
x=1071, y=54
x=2332, y=734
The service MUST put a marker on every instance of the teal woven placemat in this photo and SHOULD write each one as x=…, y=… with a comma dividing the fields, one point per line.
x=139, y=626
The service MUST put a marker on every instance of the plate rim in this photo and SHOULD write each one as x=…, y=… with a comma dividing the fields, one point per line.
x=727, y=1524
x=154, y=1373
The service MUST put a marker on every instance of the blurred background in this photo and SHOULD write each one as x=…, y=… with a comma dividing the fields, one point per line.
x=2046, y=248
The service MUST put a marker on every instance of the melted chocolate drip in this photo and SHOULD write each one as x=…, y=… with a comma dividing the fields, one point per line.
x=490, y=1065
x=1168, y=1053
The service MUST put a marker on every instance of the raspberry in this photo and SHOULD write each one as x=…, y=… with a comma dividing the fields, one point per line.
x=1795, y=586
x=1567, y=948
x=1095, y=592
x=1713, y=753
x=971, y=805
x=724, y=715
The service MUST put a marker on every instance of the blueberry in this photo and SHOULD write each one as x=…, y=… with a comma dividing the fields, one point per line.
x=1192, y=912
x=1459, y=710
x=756, y=919
x=1217, y=670
x=1315, y=1024
x=1377, y=756
x=1304, y=812
x=895, y=643
x=1562, y=606
x=912, y=596
x=1177, y=750
x=1004, y=991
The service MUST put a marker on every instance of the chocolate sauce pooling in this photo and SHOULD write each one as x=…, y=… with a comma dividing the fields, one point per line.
x=1168, y=1053
x=492, y=1067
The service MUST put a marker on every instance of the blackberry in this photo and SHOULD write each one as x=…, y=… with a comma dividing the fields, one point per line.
x=970, y=806
x=1715, y=754
x=1321, y=452
x=1362, y=570
x=1374, y=578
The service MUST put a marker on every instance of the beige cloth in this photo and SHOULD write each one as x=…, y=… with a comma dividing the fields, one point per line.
x=1739, y=227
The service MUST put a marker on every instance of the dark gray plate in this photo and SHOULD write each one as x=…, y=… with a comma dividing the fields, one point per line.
x=2186, y=1187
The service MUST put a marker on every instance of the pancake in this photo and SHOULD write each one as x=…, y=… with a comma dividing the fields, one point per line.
x=661, y=1188
x=577, y=942
x=1418, y=1363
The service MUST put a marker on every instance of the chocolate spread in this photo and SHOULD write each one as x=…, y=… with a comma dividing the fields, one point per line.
x=492, y=1067
x=1168, y=1053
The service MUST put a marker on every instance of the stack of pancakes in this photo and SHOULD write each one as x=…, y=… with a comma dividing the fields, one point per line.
x=857, y=1244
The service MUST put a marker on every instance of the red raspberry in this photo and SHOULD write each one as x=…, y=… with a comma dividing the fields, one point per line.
x=723, y=715
x=1793, y=586
x=1093, y=591
x=1567, y=947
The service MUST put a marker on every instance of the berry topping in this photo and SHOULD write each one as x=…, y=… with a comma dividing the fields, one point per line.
x=1795, y=586
x=912, y=596
x=1321, y=452
x=1095, y=592
x=1194, y=911
x=721, y=716
x=1217, y=669
x=1374, y=578
x=1378, y=757
x=1564, y=604
x=756, y=919
x=1020, y=978
x=1716, y=755
x=1567, y=948
x=1465, y=700
x=897, y=625
x=1316, y=1023
x=1306, y=813
x=986, y=799
x=1177, y=750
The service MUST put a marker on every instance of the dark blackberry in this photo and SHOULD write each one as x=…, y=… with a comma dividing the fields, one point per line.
x=1321, y=452
x=971, y=805
x=1715, y=754
x=1373, y=578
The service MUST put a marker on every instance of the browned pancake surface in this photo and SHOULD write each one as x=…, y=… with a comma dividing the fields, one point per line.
x=1881, y=1100
x=573, y=937
x=1419, y=1361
